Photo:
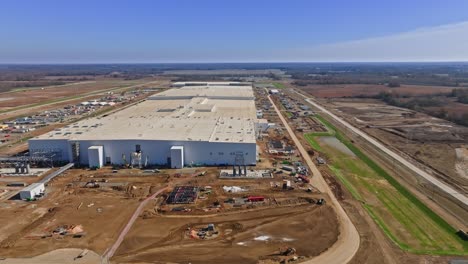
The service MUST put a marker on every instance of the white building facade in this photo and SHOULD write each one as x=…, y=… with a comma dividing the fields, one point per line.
x=190, y=125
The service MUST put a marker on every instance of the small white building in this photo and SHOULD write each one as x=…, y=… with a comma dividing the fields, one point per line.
x=274, y=91
x=259, y=114
x=32, y=190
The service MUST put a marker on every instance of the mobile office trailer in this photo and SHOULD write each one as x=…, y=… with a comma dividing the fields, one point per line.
x=255, y=198
x=31, y=191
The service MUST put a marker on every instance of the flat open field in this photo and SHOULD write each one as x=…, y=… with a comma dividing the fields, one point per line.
x=412, y=226
x=351, y=90
x=245, y=238
x=20, y=97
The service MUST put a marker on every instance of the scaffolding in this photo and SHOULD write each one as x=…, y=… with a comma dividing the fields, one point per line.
x=22, y=162
x=136, y=159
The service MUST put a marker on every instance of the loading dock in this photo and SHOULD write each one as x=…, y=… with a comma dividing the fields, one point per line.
x=177, y=157
x=95, y=156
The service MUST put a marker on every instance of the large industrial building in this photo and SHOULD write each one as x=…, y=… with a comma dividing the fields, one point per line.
x=195, y=123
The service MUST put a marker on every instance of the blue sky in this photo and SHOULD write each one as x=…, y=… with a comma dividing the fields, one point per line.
x=86, y=31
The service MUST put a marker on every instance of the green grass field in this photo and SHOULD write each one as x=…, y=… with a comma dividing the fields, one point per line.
x=403, y=218
x=311, y=137
x=279, y=85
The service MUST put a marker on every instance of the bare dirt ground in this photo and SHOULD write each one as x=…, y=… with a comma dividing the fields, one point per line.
x=349, y=90
x=462, y=161
x=241, y=239
x=253, y=233
x=286, y=218
x=428, y=140
x=27, y=227
x=37, y=95
x=62, y=256
x=26, y=103
x=375, y=246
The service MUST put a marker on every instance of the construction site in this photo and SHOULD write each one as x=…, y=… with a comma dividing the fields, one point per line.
x=237, y=206
x=274, y=192
x=80, y=209
x=435, y=145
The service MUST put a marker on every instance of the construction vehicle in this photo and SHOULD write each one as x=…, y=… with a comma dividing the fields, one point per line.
x=321, y=201
x=92, y=184
x=288, y=251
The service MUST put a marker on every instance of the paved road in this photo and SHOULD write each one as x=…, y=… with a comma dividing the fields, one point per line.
x=348, y=241
x=109, y=253
x=56, y=173
x=443, y=186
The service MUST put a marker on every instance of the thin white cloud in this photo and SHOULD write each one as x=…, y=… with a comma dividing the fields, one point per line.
x=442, y=43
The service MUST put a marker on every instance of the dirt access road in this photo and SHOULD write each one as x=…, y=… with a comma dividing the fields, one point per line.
x=118, y=242
x=110, y=253
x=348, y=241
x=446, y=188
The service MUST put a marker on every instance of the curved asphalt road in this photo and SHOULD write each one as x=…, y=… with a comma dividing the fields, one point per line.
x=443, y=186
x=348, y=241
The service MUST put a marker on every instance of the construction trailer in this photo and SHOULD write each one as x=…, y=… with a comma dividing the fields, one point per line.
x=32, y=191
x=255, y=199
x=304, y=178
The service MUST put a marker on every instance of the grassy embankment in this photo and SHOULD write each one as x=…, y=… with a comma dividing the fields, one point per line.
x=403, y=218
x=279, y=85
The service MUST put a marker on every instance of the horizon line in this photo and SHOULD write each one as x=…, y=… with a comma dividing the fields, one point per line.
x=231, y=62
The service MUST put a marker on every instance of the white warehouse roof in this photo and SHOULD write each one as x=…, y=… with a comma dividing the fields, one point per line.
x=215, y=113
x=181, y=84
x=229, y=92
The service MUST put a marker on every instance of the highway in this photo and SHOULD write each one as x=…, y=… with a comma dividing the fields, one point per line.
x=443, y=186
x=348, y=241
